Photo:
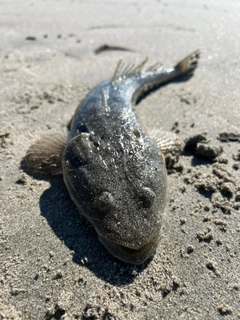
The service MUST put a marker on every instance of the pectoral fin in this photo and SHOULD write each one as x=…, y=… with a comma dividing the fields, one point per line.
x=45, y=155
x=166, y=141
x=169, y=144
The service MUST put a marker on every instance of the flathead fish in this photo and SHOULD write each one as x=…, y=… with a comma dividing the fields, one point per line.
x=115, y=170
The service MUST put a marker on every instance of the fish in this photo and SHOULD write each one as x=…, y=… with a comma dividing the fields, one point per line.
x=113, y=167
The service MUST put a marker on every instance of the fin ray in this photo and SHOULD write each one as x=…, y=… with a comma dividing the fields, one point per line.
x=45, y=155
x=166, y=141
x=124, y=71
x=189, y=63
x=154, y=67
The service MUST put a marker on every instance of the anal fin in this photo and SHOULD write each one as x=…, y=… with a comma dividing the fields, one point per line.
x=45, y=155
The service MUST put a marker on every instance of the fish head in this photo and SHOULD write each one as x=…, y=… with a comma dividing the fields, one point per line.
x=121, y=188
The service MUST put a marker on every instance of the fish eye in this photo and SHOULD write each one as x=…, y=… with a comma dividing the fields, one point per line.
x=105, y=201
x=147, y=197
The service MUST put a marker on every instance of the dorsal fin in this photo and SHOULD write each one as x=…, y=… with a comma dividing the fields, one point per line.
x=124, y=71
x=154, y=67
x=117, y=71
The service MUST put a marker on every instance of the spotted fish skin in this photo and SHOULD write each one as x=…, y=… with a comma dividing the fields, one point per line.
x=115, y=171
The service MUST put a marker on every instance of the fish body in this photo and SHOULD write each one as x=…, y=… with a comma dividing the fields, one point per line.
x=114, y=170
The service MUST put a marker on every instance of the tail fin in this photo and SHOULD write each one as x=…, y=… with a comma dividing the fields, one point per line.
x=188, y=64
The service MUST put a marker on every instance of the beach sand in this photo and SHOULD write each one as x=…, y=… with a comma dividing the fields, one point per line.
x=52, y=265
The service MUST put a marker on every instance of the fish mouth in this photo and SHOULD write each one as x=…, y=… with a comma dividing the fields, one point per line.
x=130, y=255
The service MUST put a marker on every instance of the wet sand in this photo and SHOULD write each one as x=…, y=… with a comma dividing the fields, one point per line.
x=52, y=265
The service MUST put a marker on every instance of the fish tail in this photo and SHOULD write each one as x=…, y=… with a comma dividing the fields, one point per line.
x=188, y=64
x=155, y=75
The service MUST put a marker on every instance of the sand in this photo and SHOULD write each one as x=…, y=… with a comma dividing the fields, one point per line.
x=52, y=265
